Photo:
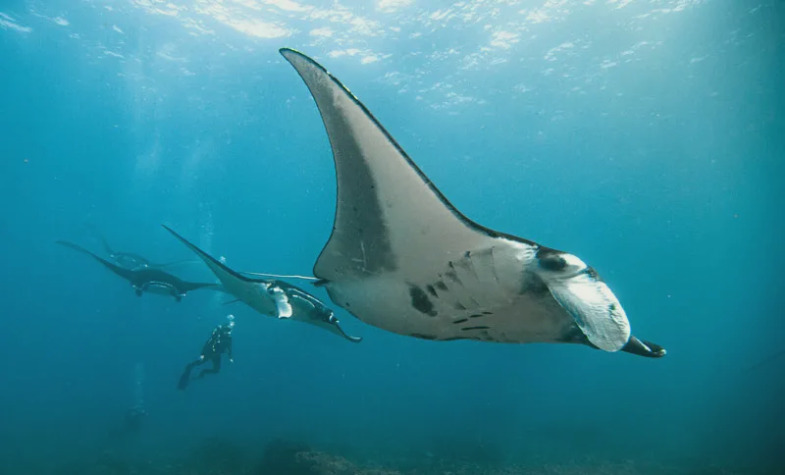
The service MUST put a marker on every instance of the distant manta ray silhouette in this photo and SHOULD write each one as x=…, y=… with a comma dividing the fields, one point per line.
x=130, y=260
x=146, y=279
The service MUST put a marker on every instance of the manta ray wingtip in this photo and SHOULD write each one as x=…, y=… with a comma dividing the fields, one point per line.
x=174, y=233
x=288, y=52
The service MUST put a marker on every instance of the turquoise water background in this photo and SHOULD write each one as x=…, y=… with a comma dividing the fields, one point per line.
x=646, y=137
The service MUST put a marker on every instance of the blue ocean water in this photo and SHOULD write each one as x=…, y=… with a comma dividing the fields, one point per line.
x=646, y=137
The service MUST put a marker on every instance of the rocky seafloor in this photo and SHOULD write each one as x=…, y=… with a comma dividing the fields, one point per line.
x=216, y=457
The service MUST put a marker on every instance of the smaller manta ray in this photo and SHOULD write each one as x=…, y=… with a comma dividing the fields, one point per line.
x=146, y=279
x=271, y=297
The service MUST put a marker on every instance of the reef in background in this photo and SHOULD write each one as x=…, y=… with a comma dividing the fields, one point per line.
x=282, y=457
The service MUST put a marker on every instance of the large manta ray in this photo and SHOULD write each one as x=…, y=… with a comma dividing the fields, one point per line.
x=271, y=297
x=401, y=257
x=146, y=279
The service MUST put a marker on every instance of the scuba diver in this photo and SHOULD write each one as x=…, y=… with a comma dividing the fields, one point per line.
x=219, y=342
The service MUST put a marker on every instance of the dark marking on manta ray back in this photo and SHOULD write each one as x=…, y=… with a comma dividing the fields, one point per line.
x=420, y=301
x=465, y=329
x=462, y=320
x=431, y=290
x=459, y=306
x=453, y=276
x=441, y=285
x=476, y=315
x=362, y=219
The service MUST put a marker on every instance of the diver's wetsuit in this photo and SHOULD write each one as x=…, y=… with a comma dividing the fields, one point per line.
x=220, y=342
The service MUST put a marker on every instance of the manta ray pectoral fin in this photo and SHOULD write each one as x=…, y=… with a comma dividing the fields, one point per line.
x=580, y=291
x=225, y=274
x=122, y=272
x=386, y=207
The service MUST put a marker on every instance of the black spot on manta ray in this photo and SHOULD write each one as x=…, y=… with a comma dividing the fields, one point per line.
x=441, y=285
x=459, y=306
x=487, y=313
x=462, y=320
x=431, y=290
x=476, y=315
x=465, y=329
x=420, y=301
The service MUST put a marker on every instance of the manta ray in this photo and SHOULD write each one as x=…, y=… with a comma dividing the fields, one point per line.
x=401, y=257
x=271, y=297
x=146, y=279
x=131, y=260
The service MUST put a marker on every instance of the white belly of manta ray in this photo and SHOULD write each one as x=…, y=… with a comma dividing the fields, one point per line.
x=481, y=296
